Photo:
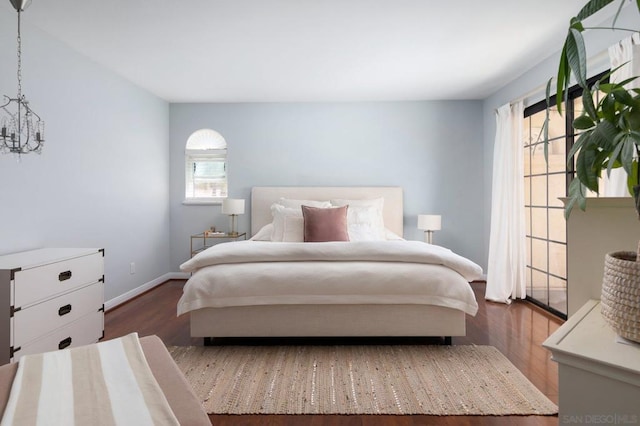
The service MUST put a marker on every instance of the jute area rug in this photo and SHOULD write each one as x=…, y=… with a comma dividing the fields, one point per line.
x=383, y=379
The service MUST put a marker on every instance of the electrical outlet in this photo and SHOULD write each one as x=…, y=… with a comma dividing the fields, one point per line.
x=132, y=268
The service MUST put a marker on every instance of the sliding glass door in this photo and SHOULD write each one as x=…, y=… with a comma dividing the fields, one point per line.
x=545, y=184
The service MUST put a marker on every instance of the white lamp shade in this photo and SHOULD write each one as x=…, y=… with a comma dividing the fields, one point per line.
x=232, y=206
x=429, y=222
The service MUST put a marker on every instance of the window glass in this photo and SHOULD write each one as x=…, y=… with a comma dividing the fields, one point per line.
x=205, y=166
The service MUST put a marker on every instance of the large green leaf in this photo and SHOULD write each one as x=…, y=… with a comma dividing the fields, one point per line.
x=621, y=123
x=582, y=201
x=623, y=97
x=608, y=107
x=576, y=195
x=623, y=83
x=583, y=123
x=582, y=140
x=626, y=155
x=600, y=163
x=562, y=80
x=609, y=73
x=592, y=7
x=604, y=135
x=613, y=159
x=585, y=165
x=587, y=103
x=630, y=120
x=545, y=135
x=577, y=56
x=607, y=87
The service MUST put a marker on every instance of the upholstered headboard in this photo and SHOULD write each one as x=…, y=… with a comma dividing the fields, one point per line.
x=262, y=197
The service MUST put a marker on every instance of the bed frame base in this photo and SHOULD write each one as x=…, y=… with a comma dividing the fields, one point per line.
x=213, y=341
x=328, y=321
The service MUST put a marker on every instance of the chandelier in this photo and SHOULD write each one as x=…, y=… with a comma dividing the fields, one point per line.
x=21, y=129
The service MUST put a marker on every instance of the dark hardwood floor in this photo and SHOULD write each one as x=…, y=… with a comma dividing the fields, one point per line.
x=517, y=330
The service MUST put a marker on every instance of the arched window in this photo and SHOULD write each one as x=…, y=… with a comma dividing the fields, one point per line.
x=205, y=166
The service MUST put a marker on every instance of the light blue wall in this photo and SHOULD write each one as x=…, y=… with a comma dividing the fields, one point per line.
x=102, y=179
x=536, y=78
x=430, y=149
x=112, y=172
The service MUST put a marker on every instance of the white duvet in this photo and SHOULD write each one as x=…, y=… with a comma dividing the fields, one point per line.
x=250, y=273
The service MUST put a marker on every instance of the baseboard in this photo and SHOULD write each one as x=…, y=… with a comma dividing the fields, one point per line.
x=179, y=275
x=119, y=300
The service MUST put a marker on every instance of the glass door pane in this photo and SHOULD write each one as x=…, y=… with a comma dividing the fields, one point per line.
x=545, y=185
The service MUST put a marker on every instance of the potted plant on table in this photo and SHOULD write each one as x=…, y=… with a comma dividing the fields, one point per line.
x=609, y=139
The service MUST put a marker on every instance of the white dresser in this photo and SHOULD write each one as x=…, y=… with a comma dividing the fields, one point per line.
x=52, y=298
x=598, y=378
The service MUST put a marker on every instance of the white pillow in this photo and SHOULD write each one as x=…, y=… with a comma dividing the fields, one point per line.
x=279, y=213
x=293, y=229
x=296, y=204
x=364, y=219
x=264, y=234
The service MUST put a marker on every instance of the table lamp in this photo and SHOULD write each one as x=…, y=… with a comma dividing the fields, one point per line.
x=429, y=223
x=233, y=207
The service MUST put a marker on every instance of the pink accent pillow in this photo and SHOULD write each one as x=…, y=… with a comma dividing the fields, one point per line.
x=325, y=224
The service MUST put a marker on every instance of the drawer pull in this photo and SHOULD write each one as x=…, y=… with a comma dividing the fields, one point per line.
x=64, y=343
x=63, y=276
x=64, y=310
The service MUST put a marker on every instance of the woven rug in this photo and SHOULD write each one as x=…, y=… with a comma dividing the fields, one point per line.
x=382, y=379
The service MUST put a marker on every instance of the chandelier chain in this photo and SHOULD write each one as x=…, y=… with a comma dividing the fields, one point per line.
x=19, y=40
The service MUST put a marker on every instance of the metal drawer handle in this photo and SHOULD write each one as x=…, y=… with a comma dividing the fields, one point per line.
x=64, y=310
x=63, y=276
x=64, y=343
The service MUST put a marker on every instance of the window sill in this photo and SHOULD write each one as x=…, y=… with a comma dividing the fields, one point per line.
x=202, y=201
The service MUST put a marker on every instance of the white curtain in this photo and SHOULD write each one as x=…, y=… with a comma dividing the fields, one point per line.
x=507, y=263
x=626, y=51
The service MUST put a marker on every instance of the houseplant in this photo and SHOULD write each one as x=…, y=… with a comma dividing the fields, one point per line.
x=610, y=127
x=609, y=138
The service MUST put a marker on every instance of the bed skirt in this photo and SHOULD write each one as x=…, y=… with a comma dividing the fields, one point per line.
x=328, y=321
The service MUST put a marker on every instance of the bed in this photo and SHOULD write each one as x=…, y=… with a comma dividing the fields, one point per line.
x=335, y=293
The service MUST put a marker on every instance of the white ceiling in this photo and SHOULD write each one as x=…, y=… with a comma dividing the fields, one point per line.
x=310, y=50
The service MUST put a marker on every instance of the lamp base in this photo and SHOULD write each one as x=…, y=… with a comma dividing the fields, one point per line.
x=233, y=231
x=428, y=237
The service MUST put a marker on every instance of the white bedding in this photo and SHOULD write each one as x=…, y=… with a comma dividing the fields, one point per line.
x=369, y=272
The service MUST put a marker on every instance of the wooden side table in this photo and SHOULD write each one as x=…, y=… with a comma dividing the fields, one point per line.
x=208, y=239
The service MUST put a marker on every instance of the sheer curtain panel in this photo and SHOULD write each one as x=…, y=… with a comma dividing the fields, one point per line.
x=627, y=52
x=507, y=263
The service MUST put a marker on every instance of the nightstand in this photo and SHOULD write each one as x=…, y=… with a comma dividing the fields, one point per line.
x=204, y=240
x=598, y=378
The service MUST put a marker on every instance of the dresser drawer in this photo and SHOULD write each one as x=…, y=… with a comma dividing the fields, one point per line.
x=38, y=320
x=83, y=331
x=43, y=282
